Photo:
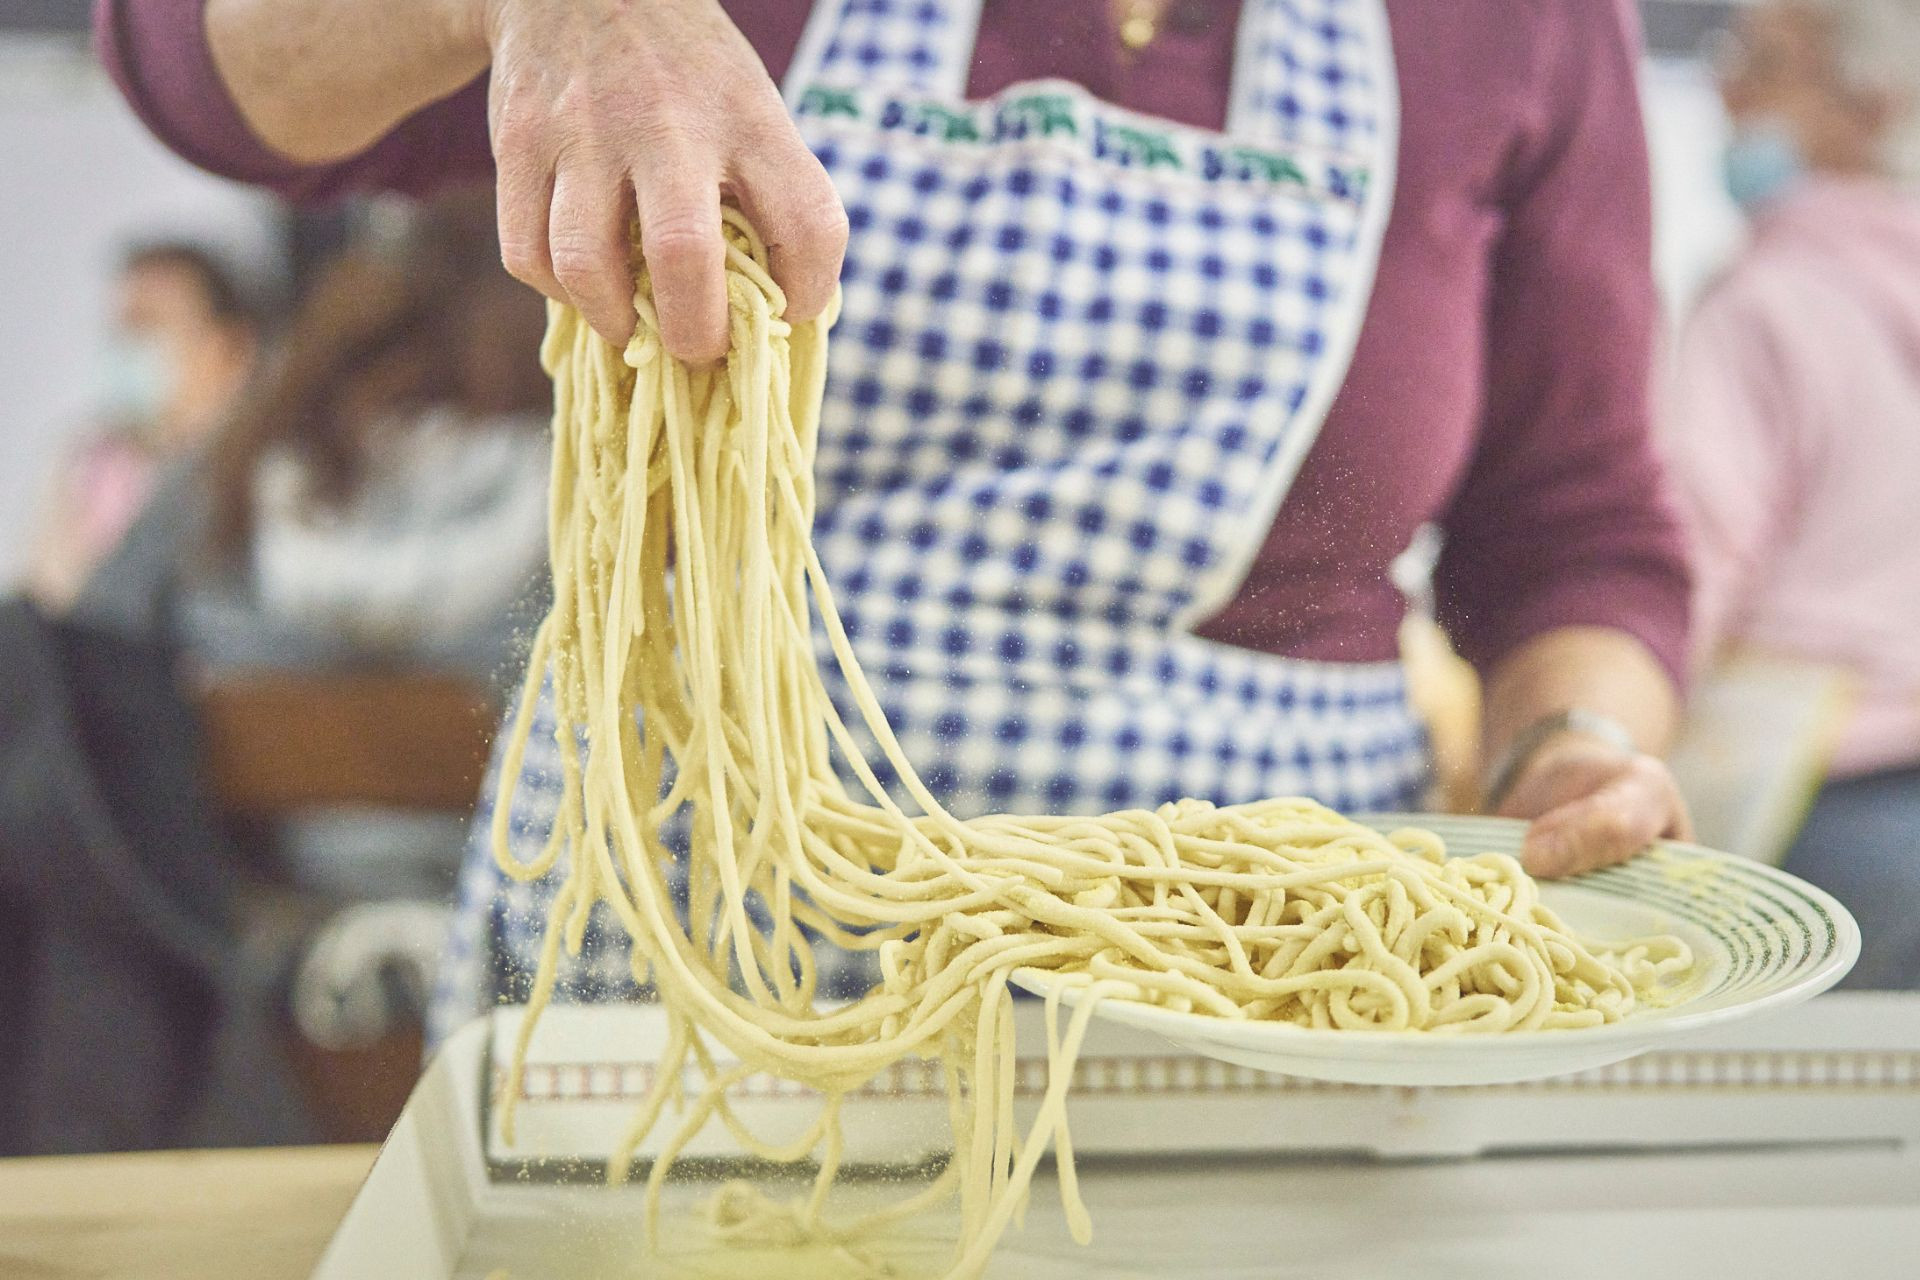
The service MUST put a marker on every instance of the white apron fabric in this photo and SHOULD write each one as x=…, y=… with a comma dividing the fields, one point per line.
x=1081, y=355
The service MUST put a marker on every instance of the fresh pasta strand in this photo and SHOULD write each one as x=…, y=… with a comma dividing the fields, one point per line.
x=686, y=589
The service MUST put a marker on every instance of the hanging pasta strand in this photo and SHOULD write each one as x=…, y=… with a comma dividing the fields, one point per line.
x=679, y=655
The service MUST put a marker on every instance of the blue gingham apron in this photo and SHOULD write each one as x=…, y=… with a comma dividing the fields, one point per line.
x=1080, y=357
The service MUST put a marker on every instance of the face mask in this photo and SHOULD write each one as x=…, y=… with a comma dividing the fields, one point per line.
x=136, y=378
x=1760, y=163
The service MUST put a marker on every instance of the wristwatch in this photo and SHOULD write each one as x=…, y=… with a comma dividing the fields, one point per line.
x=1520, y=752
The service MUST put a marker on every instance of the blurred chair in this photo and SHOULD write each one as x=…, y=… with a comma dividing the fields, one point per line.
x=408, y=741
x=280, y=743
x=1759, y=737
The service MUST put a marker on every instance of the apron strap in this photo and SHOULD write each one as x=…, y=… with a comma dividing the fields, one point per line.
x=933, y=37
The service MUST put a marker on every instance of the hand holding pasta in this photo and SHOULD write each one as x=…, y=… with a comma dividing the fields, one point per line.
x=686, y=590
x=599, y=109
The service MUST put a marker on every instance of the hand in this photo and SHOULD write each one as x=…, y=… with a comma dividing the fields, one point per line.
x=1593, y=805
x=603, y=108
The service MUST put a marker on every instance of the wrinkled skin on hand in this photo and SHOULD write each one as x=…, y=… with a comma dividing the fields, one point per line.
x=604, y=110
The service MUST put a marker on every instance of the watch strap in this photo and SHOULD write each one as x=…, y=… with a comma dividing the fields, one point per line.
x=1528, y=741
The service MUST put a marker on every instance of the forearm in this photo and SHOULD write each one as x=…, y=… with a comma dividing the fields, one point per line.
x=1597, y=669
x=319, y=80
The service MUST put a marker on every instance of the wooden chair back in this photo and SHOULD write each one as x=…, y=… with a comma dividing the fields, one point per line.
x=276, y=742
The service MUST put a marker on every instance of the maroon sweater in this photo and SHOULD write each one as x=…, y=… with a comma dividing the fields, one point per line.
x=1500, y=384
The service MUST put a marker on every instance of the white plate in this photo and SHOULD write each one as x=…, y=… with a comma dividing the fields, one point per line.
x=1762, y=940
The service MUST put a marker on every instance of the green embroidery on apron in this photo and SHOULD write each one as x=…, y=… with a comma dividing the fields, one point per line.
x=1270, y=166
x=948, y=124
x=1150, y=148
x=1044, y=113
x=830, y=102
x=1074, y=119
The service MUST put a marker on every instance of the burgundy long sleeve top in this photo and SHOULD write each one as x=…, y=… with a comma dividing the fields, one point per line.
x=1500, y=386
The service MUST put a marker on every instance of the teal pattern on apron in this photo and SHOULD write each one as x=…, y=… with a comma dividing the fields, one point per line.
x=1081, y=355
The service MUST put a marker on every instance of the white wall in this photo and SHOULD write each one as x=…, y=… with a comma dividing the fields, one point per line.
x=79, y=178
x=1695, y=224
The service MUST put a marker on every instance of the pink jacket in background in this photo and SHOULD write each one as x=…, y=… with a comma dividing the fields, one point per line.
x=1794, y=437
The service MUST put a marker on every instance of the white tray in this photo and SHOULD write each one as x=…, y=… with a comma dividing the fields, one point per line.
x=1789, y=1147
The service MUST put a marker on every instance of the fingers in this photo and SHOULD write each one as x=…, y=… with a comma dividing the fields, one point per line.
x=596, y=115
x=587, y=239
x=1681, y=827
x=793, y=205
x=680, y=238
x=522, y=196
x=1611, y=824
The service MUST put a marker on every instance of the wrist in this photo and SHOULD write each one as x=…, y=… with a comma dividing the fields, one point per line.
x=468, y=26
x=461, y=32
x=454, y=45
x=1571, y=728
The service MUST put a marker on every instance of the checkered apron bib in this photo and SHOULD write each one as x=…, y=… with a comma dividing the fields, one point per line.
x=1080, y=357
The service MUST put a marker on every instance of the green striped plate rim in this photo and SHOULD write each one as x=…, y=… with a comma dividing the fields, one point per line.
x=1773, y=930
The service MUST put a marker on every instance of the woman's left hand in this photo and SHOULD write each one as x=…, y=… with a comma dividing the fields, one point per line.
x=1592, y=805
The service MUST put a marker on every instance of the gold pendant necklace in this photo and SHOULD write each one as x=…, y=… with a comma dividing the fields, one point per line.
x=1140, y=23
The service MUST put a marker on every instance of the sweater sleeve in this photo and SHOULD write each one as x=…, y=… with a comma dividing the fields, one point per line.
x=1563, y=518
x=156, y=51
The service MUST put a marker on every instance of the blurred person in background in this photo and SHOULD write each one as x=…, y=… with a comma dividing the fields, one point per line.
x=1793, y=427
x=375, y=499
x=380, y=501
x=185, y=336
x=380, y=498
x=117, y=893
